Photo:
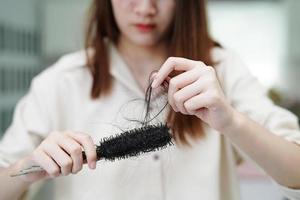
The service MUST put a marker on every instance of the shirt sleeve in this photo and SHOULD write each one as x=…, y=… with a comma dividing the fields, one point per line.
x=292, y=194
x=29, y=125
x=248, y=96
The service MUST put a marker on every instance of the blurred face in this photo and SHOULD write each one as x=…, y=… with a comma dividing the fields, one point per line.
x=143, y=22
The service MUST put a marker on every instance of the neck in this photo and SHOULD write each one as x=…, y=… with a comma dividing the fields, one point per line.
x=142, y=59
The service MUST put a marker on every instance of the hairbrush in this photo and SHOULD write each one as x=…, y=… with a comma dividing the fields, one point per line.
x=130, y=143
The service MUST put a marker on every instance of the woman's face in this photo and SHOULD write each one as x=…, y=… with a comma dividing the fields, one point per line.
x=143, y=22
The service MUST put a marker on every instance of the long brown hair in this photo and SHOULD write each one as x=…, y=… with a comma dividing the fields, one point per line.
x=188, y=38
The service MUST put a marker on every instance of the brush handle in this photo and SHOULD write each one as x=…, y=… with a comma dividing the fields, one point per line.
x=29, y=170
x=37, y=168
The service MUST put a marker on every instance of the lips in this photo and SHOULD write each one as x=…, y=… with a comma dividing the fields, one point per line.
x=145, y=27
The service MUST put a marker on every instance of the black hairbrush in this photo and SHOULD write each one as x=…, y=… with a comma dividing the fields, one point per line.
x=127, y=144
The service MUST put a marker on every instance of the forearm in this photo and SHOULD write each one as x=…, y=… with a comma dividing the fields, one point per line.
x=12, y=188
x=279, y=158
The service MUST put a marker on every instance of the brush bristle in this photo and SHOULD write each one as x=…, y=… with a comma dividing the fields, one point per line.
x=134, y=142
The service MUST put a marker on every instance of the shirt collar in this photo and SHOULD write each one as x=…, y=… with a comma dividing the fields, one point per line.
x=120, y=71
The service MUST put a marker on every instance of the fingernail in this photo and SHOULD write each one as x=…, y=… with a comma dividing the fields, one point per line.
x=153, y=75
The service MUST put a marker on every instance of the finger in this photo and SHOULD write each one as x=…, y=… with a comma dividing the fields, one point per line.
x=178, y=83
x=172, y=64
x=202, y=114
x=186, y=93
x=168, y=79
x=88, y=146
x=166, y=83
x=47, y=163
x=74, y=149
x=186, y=78
x=152, y=75
x=197, y=102
x=171, y=90
x=60, y=157
x=191, y=90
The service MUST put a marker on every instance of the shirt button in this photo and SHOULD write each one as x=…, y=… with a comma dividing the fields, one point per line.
x=156, y=157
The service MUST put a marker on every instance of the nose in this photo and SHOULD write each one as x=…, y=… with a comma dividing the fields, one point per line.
x=145, y=8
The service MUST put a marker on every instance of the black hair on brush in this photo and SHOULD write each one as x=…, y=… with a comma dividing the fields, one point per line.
x=134, y=142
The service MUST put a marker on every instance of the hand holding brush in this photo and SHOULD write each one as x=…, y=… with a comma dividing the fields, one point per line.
x=61, y=153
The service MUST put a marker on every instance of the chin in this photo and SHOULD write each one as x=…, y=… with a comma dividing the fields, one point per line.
x=145, y=41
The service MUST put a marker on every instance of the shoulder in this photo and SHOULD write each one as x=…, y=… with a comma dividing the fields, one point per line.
x=68, y=78
x=228, y=61
x=68, y=67
x=231, y=69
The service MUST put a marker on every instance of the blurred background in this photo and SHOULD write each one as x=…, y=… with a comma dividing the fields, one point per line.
x=265, y=33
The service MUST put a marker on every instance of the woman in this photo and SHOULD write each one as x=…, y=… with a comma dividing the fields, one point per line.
x=211, y=110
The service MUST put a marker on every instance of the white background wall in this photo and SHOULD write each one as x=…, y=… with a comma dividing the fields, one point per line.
x=63, y=26
x=20, y=13
x=256, y=30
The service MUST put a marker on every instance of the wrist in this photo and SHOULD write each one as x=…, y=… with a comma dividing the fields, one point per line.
x=18, y=166
x=234, y=125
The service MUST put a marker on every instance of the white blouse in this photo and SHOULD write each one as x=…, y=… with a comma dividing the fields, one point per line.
x=59, y=99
